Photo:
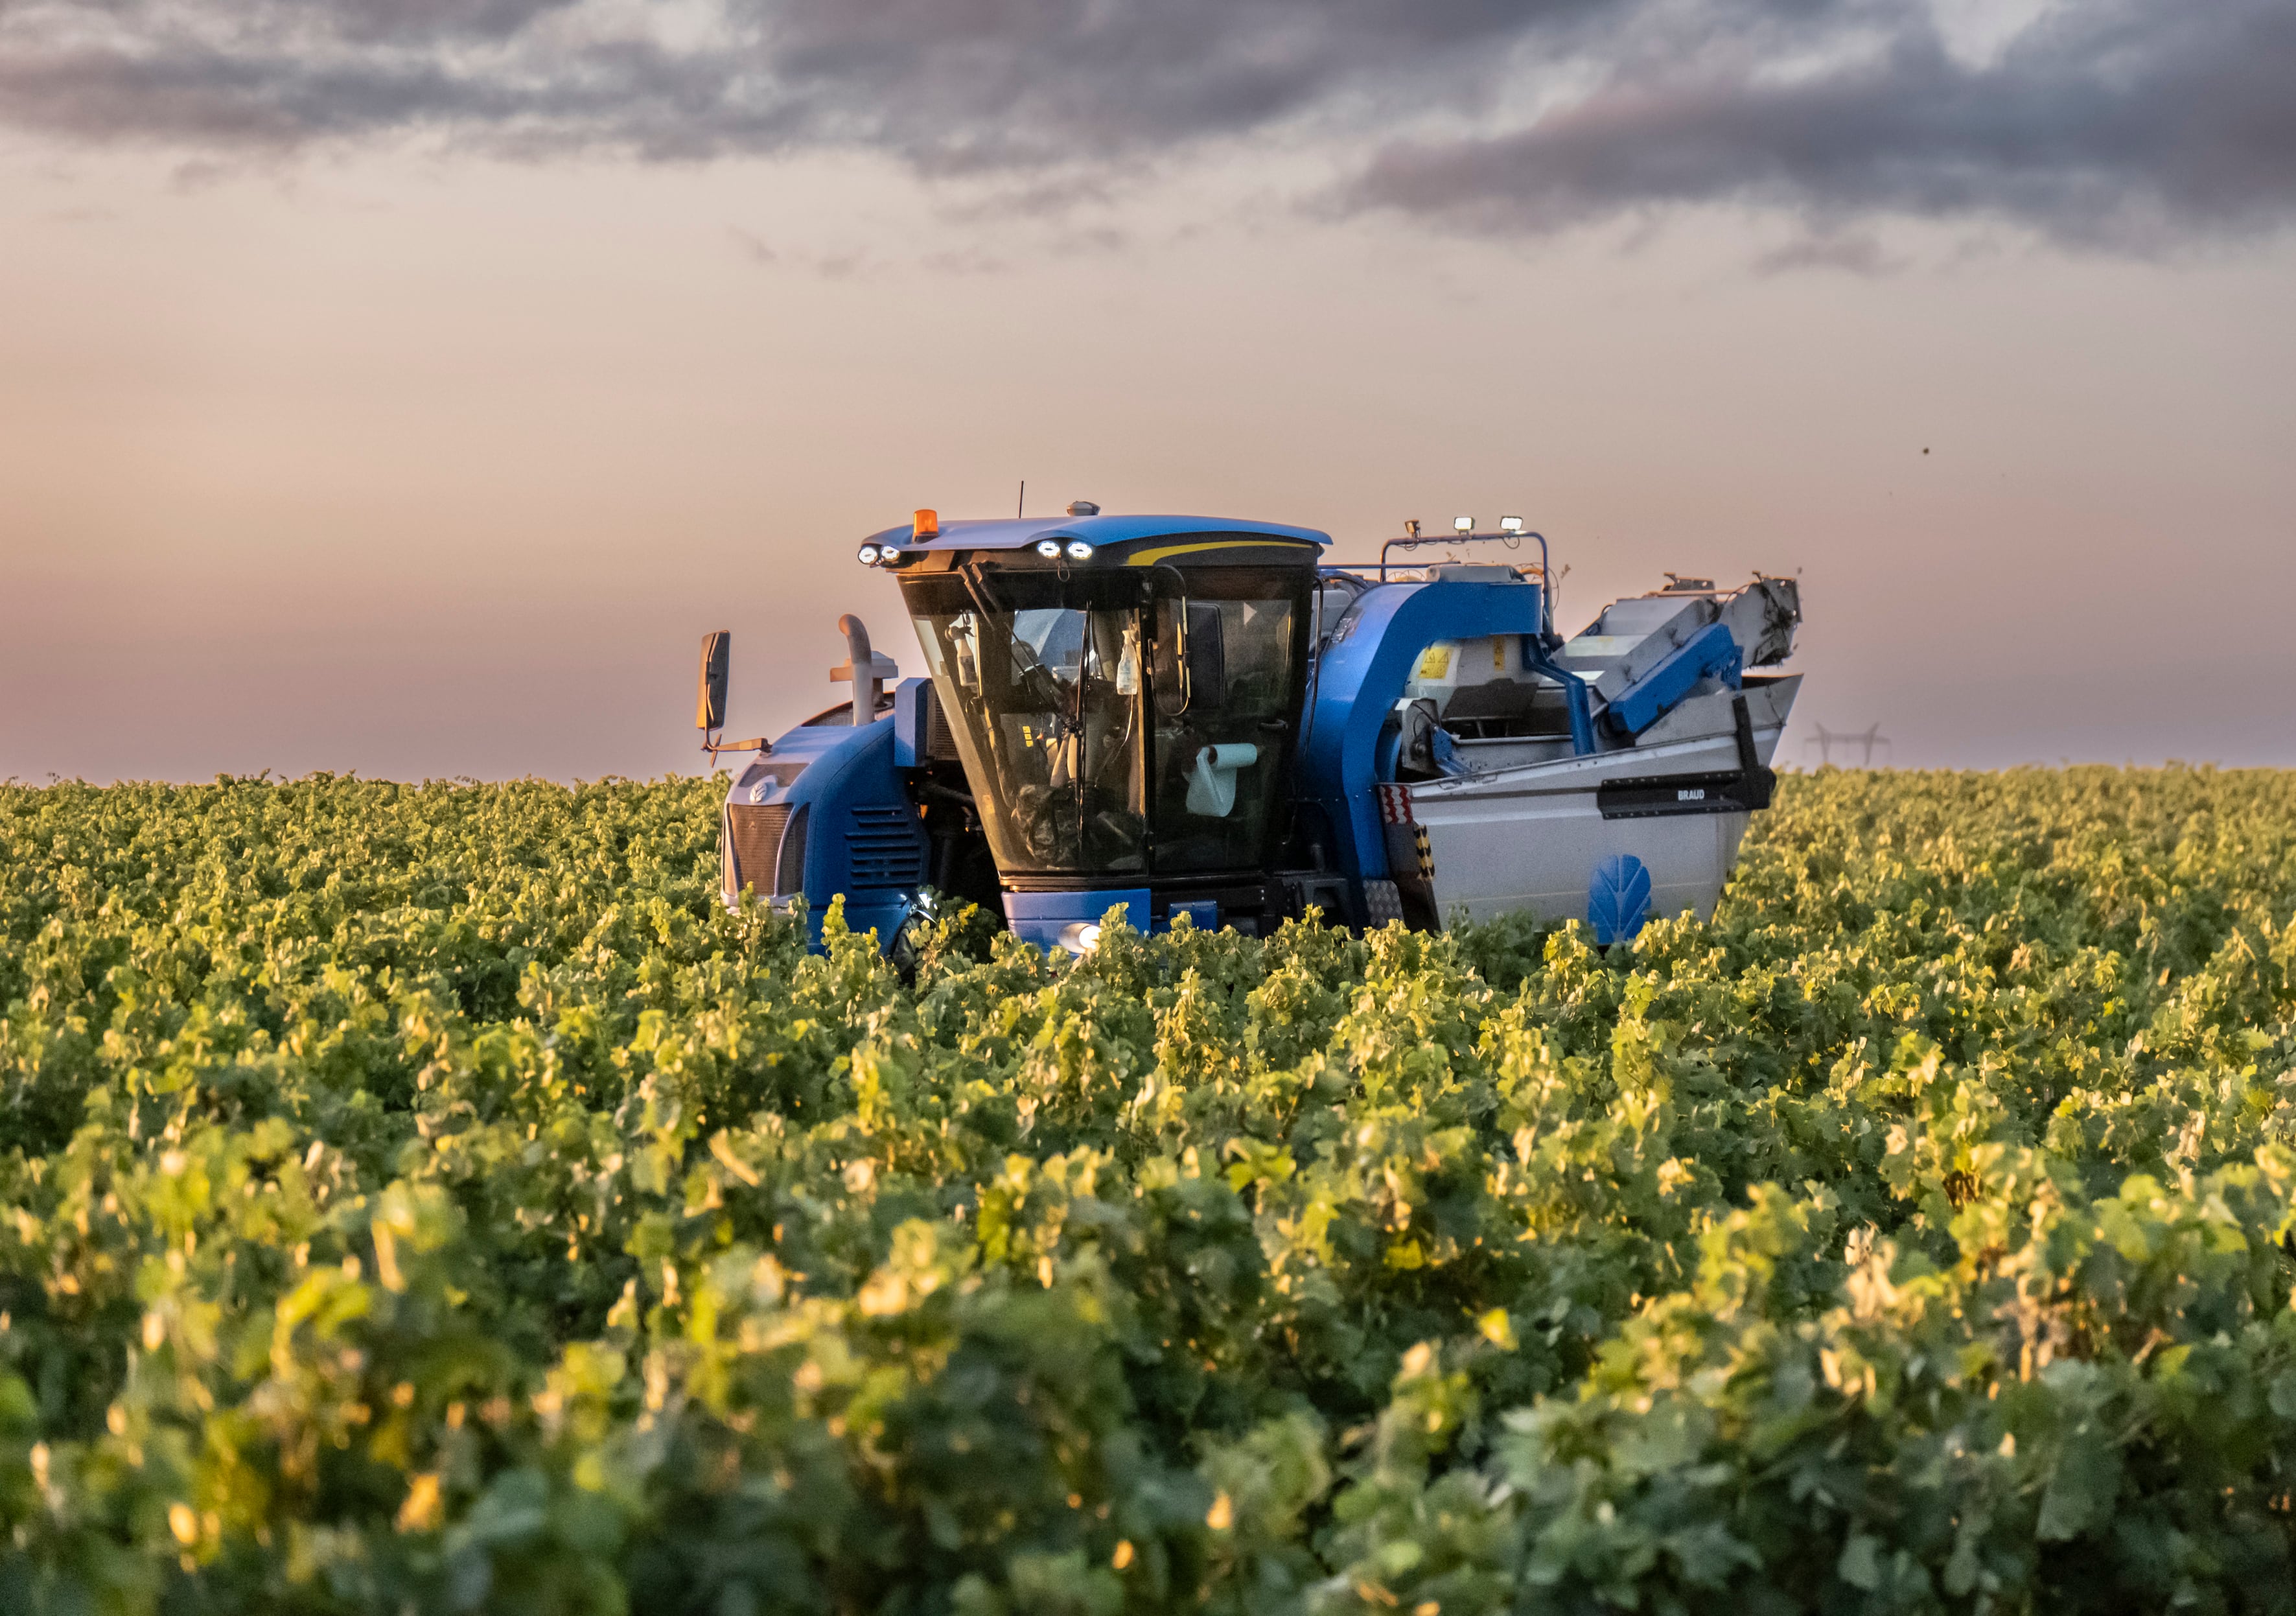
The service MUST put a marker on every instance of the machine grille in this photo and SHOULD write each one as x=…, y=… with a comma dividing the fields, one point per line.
x=885, y=848
x=753, y=840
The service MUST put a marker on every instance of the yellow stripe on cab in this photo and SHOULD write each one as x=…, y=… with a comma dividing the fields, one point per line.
x=1149, y=558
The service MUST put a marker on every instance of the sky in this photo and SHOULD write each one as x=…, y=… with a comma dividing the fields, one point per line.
x=405, y=386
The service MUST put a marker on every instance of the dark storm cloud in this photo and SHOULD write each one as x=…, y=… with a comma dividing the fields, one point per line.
x=944, y=84
x=2113, y=122
x=2106, y=120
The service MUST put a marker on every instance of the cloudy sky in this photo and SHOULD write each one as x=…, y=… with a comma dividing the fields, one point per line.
x=404, y=385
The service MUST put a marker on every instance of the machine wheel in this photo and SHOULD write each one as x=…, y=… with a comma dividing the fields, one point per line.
x=906, y=948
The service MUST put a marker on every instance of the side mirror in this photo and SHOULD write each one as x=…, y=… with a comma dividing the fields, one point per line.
x=710, y=710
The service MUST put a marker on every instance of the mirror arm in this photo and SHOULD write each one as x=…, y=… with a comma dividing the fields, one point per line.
x=758, y=745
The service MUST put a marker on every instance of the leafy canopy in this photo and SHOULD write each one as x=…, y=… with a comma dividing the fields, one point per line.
x=431, y=1198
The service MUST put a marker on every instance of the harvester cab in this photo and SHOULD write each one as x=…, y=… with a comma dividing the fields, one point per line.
x=1203, y=718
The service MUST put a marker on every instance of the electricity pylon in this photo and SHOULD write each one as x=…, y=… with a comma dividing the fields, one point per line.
x=1867, y=739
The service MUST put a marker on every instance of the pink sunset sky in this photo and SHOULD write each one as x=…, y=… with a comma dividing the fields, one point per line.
x=404, y=386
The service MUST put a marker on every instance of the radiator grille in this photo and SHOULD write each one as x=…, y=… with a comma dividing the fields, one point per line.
x=884, y=848
x=753, y=840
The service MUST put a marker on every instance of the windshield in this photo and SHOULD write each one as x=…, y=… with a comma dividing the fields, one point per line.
x=1106, y=732
x=1046, y=715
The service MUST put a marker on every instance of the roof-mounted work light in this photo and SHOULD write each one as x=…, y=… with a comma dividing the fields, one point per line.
x=1049, y=548
x=1509, y=524
x=888, y=557
x=1079, y=550
x=866, y=556
x=1462, y=524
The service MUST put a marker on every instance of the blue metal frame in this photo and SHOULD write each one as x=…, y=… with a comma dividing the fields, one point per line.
x=1712, y=653
x=1360, y=679
x=1575, y=699
x=860, y=824
x=1042, y=918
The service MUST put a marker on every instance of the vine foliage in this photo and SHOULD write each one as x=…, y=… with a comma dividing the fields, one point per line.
x=431, y=1198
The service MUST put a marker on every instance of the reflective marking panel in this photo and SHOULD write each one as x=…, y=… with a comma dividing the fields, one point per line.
x=1149, y=558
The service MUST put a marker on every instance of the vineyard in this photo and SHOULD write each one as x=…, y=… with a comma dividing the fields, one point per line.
x=431, y=1199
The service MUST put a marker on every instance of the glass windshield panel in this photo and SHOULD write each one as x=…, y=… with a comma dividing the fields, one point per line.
x=1103, y=732
x=1045, y=704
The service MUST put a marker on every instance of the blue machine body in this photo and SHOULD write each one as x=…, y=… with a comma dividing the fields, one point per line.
x=844, y=824
x=832, y=808
x=1362, y=675
x=911, y=740
x=1712, y=654
x=1059, y=920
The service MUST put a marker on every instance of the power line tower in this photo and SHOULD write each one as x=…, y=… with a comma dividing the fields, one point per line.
x=1864, y=740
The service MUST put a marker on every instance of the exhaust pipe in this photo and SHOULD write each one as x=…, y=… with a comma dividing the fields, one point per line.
x=863, y=668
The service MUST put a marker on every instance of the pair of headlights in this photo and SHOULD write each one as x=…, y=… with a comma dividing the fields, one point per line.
x=1050, y=549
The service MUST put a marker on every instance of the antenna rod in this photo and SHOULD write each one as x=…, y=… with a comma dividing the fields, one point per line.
x=1020, y=505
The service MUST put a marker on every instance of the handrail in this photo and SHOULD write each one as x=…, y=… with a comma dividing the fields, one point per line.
x=1510, y=540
